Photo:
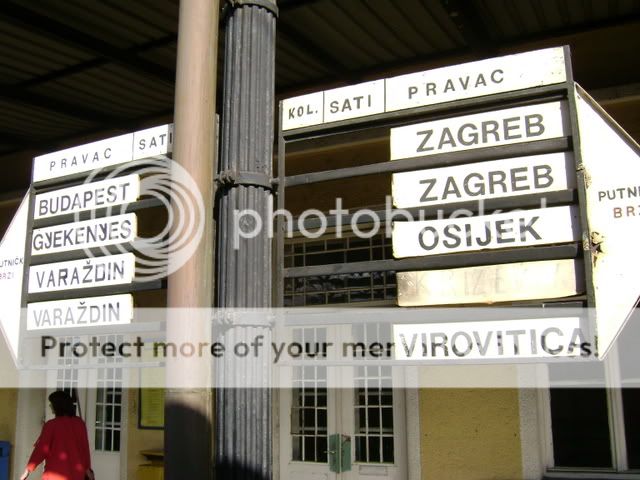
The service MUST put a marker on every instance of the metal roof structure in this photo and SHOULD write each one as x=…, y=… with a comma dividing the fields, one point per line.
x=76, y=70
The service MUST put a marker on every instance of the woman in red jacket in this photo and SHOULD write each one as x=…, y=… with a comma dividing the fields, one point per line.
x=63, y=444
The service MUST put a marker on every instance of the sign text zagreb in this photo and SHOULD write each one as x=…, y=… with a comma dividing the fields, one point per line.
x=490, y=129
x=535, y=174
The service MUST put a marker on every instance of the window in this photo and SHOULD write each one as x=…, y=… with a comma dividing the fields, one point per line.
x=316, y=411
x=597, y=428
x=338, y=289
x=108, y=415
x=309, y=429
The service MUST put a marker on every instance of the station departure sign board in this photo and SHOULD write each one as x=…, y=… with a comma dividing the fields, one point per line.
x=64, y=275
x=520, y=159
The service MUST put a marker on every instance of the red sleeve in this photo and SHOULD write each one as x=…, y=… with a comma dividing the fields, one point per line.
x=84, y=446
x=41, y=448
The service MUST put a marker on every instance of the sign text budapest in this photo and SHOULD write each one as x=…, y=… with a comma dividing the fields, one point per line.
x=105, y=193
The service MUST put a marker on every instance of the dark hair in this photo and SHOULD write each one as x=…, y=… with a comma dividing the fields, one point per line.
x=62, y=404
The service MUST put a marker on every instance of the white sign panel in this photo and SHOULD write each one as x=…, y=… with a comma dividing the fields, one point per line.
x=489, y=129
x=303, y=111
x=153, y=142
x=86, y=273
x=11, y=274
x=519, y=228
x=484, y=180
x=355, y=101
x=80, y=312
x=476, y=79
x=98, y=232
x=492, y=340
x=612, y=173
x=468, y=80
x=105, y=193
x=83, y=158
x=489, y=284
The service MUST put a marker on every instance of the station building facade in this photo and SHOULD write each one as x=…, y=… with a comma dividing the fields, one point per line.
x=408, y=433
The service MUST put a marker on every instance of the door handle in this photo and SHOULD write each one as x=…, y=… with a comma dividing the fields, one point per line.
x=339, y=453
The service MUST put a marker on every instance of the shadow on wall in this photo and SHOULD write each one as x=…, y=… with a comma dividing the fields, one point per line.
x=188, y=433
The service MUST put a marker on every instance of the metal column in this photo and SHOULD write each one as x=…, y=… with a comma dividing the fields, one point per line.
x=243, y=415
x=189, y=399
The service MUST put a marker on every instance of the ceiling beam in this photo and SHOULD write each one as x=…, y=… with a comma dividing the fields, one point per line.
x=328, y=61
x=468, y=21
x=11, y=198
x=404, y=64
x=617, y=95
x=11, y=94
x=365, y=73
x=287, y=5
x=121, y=126
x=13, y=140
x=60, y=32
x=96, y=62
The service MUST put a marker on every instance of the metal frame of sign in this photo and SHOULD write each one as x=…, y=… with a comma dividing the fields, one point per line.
x=582, y=201
x=69, y=181
x=141, y=155
x=378, y=123
x=583, y=182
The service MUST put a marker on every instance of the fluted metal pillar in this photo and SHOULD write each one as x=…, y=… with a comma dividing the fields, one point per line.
x=243, y=413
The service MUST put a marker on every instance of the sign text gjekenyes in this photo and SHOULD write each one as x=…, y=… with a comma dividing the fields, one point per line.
x=97, y=232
